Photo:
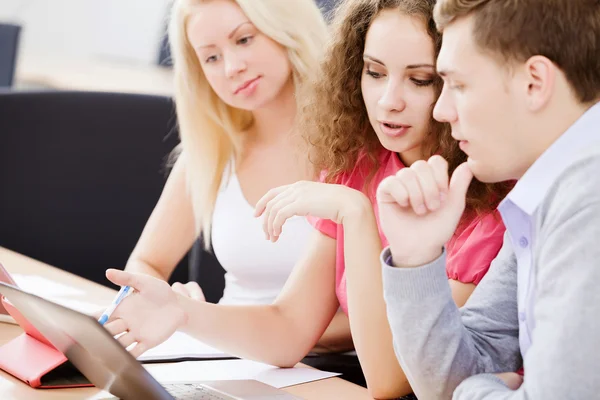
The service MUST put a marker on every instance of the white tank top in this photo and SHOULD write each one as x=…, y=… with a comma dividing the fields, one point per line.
x=256, y=269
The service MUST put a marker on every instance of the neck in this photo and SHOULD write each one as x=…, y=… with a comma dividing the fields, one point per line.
x=557, y=120
x=276, y=119
x=410, y=156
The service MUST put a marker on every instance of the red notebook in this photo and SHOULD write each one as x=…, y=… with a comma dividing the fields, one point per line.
x=31, y=358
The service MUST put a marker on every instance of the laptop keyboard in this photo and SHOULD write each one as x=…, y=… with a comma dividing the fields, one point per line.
x=195, y=392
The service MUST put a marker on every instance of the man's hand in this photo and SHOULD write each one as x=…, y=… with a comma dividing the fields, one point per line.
x=512, y=379
x=420, y=208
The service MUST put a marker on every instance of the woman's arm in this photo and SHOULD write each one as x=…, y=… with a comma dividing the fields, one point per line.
x=169, y=232
x=284, y=332
x=337, y=337
x=370, y=327
x=461, y=291
x=278, y=334
x=371, y=333
x=368, y=319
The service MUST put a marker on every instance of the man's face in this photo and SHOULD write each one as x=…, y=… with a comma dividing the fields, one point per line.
x=484, y=102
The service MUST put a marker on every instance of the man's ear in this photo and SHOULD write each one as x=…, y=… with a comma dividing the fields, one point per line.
x=540, y=77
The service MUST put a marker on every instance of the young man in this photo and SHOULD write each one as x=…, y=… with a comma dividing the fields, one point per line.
x=521, y=91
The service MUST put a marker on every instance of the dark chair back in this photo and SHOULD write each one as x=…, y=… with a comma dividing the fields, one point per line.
x=207, y=271
x=9, y=44
x=327, y=7
x=80, y=173
x=164, y=52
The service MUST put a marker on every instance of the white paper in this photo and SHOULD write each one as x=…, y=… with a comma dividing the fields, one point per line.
x=78, y=305
x=284, y=377
x=103, y=395
x=179, y=346
x=45, y=287
x=7, y=319
x=220, y=370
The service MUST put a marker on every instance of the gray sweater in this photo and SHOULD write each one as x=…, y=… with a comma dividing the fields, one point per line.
x=451, y=353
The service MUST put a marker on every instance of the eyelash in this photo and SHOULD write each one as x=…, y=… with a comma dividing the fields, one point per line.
x=373, y=74
x=248, y=40
x=418, y=82
x=422, y=83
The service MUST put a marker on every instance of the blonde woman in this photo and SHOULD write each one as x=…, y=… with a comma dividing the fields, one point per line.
x=237, y=66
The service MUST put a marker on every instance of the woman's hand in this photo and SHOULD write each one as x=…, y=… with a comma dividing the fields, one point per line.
x=321, y=200
x=190, y=289
x=147, y=317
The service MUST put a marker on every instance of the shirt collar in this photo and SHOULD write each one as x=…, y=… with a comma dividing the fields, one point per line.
x=532, y=188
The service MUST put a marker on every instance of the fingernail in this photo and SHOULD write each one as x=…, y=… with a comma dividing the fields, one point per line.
x=421, y=209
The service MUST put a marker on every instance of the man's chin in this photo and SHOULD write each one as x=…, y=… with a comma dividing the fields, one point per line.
x=484, y=172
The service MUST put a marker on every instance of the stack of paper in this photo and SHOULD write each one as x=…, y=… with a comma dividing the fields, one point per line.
x=56, y=292
x=194, y=371
x=181, y=347
x=45, y=287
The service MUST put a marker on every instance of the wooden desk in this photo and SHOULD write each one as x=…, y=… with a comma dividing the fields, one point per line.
x=11, y=388
x=97, y=75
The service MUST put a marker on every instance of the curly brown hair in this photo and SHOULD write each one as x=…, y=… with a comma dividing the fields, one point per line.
x=333, y=116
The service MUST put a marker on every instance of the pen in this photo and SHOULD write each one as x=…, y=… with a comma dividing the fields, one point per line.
x=124, y=292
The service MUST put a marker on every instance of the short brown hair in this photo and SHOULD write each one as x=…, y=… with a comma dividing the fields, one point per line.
x=567, y=32
x=333, y=115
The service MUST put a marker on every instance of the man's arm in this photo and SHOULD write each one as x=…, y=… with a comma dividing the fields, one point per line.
x=437, y=344
x=563, y=361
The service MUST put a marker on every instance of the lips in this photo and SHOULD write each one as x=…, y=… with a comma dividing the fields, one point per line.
x=393, y=129
x=246, y=84
x=393, y=126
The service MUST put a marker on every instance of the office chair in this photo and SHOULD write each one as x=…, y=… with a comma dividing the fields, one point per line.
x=327, y=7
x=9, y=43
x=80, y=173
x=206, y=270
x=164, y=52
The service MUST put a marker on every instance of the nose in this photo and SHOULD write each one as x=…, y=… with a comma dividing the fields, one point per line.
x=234, y=64
x=392, y=98
x=444, y=110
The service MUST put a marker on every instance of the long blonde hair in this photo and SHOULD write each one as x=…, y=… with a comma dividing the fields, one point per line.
x=210, y=130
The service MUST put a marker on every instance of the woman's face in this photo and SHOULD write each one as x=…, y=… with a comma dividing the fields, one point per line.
x=397, y=82
x=244, y=67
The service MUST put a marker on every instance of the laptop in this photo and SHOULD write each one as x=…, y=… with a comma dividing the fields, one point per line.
x=102, y=359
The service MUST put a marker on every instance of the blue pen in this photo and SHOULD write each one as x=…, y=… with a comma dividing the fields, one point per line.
x=124, y=292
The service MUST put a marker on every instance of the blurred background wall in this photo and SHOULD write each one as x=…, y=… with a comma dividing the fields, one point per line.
x=120, y=30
